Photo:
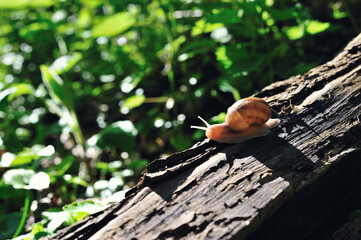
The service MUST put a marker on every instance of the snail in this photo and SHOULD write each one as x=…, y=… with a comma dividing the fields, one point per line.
x=247, y=118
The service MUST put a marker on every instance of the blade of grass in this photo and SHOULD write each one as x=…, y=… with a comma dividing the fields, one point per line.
x=24, y=215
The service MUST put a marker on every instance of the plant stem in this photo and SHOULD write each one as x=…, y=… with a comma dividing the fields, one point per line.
x=24, y=215
x=61, y=44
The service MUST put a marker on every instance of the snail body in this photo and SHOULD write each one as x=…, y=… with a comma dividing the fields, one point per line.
x=247, y=118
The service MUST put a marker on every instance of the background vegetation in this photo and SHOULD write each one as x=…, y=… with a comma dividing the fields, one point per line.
x=92, y=90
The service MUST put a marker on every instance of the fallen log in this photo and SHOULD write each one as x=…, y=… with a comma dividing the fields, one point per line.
x=300, y=181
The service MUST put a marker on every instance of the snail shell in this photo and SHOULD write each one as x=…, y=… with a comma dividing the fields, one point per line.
x=245, y=112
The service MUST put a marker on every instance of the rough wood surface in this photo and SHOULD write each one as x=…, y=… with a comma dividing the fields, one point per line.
x=281, y=186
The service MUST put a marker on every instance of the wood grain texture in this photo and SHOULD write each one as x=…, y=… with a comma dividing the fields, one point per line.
x=238, y=191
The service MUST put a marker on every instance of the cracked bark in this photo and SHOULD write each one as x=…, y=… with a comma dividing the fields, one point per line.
x=295, y=183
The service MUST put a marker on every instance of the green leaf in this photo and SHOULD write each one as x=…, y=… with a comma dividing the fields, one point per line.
x=109, y=167
x=79, y=215
x=113, y=25
x=221, y=54
x=134, y=101
x=196, y=47
x=311, y=27
x=91, y=3
x=283, y=14
x=295, y=32
x=56, y=219
x=53, y=83
x=26, y=179
x=201, y=26
x=61, y=100
x=238, y=60
x=337, y=13
x=315, y=27
x=120, y=134
x=18, y=178
x=21, y=89
x=5, y=93
x=102, y=166
x=24, y=157
x=65, y=63
x=31, y=30
x=77, y=181
x=84, y=18
x=37, y=228
x=5, y=28
x=225, y=16
x=65, y=164
x=225, y=86
x=39, y=235
x=16, y=90
x=17, y=4
x=87, y=206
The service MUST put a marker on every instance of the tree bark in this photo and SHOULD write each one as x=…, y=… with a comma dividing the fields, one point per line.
x=299, y=182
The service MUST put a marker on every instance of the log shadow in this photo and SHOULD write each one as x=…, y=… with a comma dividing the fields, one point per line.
x=281, y=155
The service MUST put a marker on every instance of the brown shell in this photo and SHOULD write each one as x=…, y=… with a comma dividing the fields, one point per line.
x=246, y=112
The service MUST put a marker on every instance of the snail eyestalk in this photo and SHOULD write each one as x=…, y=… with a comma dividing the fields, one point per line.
x=202, y=128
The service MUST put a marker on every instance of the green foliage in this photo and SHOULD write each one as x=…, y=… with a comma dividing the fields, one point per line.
x=61, y=101
x=119, y=134
x=20, y=4
x=107, y=27
x=92, y=90
x=54, y=218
